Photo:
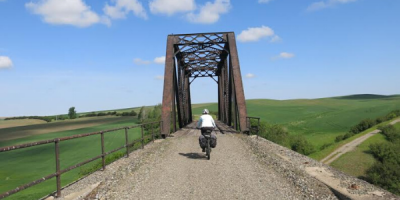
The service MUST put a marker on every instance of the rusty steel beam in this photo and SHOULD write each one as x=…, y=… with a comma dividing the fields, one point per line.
x=168, y=95
x=237, y=77
x=178, y=99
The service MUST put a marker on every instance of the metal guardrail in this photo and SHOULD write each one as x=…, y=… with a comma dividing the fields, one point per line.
x=253, y=129
x=57, y=141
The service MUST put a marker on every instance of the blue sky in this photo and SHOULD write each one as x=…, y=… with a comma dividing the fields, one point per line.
x=108, y=54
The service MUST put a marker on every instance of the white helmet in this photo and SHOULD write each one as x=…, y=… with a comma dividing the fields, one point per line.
x=205, y=111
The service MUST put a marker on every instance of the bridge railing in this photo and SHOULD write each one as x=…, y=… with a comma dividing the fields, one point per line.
x=103, y=154
x=253, y=128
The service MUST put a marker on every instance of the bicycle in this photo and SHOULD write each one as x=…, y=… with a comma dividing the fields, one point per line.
x=207, y=135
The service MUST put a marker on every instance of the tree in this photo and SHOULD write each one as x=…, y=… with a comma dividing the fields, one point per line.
x=142, y=114
x=72, y=113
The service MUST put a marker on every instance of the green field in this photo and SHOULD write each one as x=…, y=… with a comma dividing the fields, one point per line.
x=356, y=162
x=25, y=165
x=321, y=120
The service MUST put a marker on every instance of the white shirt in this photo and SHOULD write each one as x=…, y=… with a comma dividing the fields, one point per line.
x=206, y=121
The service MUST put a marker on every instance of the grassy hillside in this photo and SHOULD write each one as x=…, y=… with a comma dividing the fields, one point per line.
x=321, y=120
x=25, y=165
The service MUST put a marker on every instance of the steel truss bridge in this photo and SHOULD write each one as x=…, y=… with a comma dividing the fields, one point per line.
x=199, y=55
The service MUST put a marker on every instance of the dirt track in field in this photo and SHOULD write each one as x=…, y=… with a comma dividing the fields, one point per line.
x=351, y=146
x=37, y=129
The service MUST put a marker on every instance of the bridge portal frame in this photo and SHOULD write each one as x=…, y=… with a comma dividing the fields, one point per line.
x=197, y=55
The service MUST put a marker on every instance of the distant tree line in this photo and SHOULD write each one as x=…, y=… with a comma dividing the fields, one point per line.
x=386, y=171
x=44, y=118
x=366, y=124
x=72, y=114
x=114, y=113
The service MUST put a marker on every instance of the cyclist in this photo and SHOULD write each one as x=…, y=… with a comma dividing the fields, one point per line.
x=206, y=122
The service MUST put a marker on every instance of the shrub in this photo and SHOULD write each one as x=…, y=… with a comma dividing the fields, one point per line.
x=339, y=138
x=385, y=175
x=324, y=146
x=276, y=133
x=391, y=133
x=380, y=120
x=299, y=144
x=348, y=135
x=386, y=172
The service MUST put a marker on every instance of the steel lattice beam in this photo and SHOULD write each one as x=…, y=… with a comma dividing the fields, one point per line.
x=191, y=56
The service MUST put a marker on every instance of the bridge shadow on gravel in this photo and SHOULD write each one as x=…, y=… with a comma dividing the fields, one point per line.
x=194, y=155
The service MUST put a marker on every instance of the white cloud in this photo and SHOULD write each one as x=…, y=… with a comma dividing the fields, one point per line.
x=275, y=38
x=286, y=55
x=5, y=62
x=250, y=75
x=283, y=55
x=170, y=7
x=264, y=1
x=326, y=4
x=159, y=60
x=210, y=12
x=254, y=34
x=69, y=12
x=159, y=77
x=139, y=61
x=123, y=7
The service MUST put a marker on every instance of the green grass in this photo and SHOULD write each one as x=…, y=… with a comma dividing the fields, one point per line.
x=25, y=165
x=325, y=152
x=321, y=120
x=356, y=163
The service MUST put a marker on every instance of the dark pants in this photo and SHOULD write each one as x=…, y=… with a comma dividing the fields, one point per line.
x=205, y=129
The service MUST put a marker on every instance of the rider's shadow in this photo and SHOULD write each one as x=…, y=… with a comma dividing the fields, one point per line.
x=194, y=155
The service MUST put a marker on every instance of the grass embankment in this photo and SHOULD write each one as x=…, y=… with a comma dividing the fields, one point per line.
x=357, y=162
x=25, y=165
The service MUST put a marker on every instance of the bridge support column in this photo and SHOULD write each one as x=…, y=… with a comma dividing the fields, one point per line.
x=168, y=93
x=240, y=102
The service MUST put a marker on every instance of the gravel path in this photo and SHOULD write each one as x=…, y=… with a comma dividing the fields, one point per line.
x=351, y=146
x=183, y=172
